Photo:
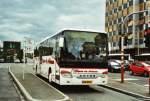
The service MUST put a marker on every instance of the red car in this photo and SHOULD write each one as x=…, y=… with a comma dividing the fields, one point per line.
x=142, y=68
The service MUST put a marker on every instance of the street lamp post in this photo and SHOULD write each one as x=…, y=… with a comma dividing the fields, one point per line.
x=24, y=55
x=122, y=44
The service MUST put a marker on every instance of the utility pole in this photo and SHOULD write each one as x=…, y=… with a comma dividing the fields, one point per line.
x=122, y=59
x=122, y=44
x=24, y=56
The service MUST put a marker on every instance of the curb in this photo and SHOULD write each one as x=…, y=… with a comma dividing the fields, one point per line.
x=21, y=88
x=125, y=92
x=66, y=98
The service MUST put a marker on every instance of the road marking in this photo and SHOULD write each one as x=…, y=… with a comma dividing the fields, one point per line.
x=127, y=79
x=146, y=85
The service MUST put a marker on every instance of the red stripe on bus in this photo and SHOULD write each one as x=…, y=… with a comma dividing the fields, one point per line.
x=50, y=61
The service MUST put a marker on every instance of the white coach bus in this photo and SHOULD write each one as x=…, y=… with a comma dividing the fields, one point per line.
x=73, y=57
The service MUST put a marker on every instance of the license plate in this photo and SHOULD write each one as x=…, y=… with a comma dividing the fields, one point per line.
x=87, y=82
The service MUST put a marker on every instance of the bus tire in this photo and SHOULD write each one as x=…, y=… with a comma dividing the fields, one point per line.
x=36, y=69
x=49, y=75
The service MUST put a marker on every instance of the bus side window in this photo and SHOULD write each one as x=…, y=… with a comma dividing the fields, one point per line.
x=50, y=51
x=36, y=53
x=46, y=51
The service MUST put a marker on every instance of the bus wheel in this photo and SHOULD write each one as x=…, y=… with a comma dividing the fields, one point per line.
x=49, y=75
x=36, y=69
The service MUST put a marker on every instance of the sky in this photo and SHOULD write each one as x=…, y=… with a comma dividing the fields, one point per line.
x=38, y=19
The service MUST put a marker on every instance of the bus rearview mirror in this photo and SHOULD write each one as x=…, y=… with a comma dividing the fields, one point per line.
x=61, y=42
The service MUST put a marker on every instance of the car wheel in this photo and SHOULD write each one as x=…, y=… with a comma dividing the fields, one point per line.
x=131, y=72
x=145, y=74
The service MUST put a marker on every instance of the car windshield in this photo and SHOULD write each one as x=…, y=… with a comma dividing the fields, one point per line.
x=115, y=64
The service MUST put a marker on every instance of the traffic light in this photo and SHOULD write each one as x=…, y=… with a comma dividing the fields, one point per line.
x=147, y=40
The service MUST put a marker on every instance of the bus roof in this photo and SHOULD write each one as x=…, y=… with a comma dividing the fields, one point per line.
x=66, y=30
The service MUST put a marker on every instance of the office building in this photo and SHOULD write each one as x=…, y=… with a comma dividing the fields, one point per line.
x=129, y=18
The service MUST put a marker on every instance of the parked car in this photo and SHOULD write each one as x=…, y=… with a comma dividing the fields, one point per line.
x=140, y=68
x=114, y=66
x=126, y=64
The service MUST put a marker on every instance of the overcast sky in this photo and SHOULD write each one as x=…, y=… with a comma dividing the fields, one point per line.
x=39, y=18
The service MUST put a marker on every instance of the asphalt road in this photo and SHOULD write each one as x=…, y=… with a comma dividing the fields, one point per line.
x=88, y=93
x=92, y=93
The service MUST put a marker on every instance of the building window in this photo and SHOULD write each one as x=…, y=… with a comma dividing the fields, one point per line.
x=106, y=24
x=110, y=34
x=115, y=10
x=115, y=21
x=129, y=41
x=106, y=13
x=131, y=3
x=110, y=22
x=130, y=29
x=141, y=1
x=141, y=41
x=114, y=44
x=120, y=8
x=141, y=27
x=115, y=0
x=125, y=6
x=119, y=20
x=141, y=16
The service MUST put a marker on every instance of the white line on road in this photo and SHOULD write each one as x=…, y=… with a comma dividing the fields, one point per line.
x=146, y=85
x=127, y=79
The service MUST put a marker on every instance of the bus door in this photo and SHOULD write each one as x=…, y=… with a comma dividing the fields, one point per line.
x=45, y=60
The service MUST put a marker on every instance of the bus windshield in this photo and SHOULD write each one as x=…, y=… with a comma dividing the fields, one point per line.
x=84, y=47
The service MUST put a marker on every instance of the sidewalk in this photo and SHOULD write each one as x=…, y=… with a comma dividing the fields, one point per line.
x=128, y=88
x=33, y=88
x=7, y=88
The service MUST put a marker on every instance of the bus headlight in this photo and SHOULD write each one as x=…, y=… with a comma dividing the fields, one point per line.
x=66, y=74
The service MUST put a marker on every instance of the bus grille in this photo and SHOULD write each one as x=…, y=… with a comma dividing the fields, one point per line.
x=84, y=76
